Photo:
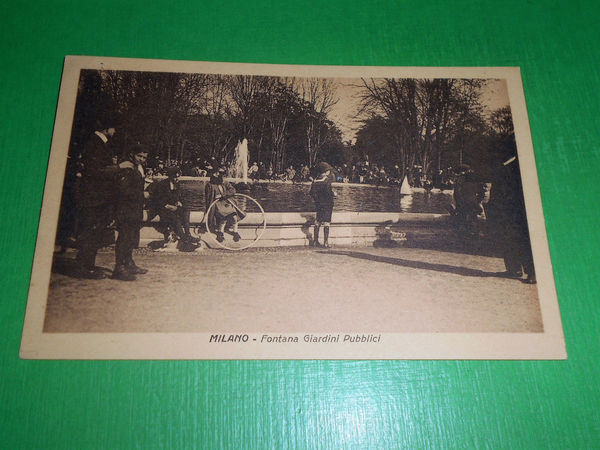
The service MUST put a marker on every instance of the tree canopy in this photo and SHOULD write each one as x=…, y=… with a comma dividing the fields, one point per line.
x=178, y=116
x=429, y=123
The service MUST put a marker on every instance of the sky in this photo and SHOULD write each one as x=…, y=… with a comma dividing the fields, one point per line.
x=494, y=95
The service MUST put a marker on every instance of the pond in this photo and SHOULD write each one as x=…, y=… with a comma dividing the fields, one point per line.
x=288, y=197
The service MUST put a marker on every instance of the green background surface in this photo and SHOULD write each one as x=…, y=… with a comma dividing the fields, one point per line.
x=311, y=404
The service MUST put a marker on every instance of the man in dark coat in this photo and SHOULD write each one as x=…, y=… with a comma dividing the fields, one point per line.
x=165, y=201
x=469, y=193
x=129, y=212
x=507, y=211
x=96, y=195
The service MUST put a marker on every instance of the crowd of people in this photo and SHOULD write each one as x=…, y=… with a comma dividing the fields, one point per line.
x=256, y=171
x=360, y=171
x=109, y=193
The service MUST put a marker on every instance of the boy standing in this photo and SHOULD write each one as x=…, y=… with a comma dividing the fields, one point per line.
x=323, y=195
x=129, y=214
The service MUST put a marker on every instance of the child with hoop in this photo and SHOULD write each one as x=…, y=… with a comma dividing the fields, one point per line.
x=225, y=214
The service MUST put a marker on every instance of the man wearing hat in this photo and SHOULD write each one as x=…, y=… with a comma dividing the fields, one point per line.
x=96, y=197
x=323, y=195
x=508, y=214
x=165, y=201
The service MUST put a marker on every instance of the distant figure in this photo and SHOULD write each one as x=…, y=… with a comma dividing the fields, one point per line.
x=428, y=186
x=469, y=193
x=304, y=172
x=160, y=168
x=129, y=213
x=438, y=179
x=165, y=201
x=262, y=171
x=226, y=214
x=95, y=200
x=290, y=173
x=507, y=212
x=323, y=195
x=253, y=172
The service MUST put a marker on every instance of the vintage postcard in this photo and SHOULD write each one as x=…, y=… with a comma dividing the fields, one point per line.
x=200, y=210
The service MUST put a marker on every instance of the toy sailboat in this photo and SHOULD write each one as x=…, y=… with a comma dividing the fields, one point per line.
x=405, y=188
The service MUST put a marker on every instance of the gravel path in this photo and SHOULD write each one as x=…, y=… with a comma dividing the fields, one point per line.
x=296, y=290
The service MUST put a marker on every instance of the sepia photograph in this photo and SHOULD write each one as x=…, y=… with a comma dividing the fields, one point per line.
x=199, y=210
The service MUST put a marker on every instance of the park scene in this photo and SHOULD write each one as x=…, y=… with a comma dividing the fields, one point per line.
x=222, y=202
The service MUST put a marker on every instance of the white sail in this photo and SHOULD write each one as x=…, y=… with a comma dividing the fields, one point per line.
x=405, y=188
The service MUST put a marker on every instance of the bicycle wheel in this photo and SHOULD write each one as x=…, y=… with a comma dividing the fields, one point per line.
x=251, y=227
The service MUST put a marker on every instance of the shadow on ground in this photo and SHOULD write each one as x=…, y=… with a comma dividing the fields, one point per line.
x=470, y=245
x=67, y=266
x=457, y=270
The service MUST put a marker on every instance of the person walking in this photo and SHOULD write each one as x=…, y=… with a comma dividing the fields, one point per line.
x=323, y=195
x=129, y=212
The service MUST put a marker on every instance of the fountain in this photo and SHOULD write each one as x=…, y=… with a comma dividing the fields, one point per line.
x=239, y=168
x=278, y=196
x=359, y=210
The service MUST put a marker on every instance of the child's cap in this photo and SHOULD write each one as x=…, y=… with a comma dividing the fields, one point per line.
x=323, y=167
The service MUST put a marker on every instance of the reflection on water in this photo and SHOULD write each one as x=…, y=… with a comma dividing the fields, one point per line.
x=406, y=202
x=280, y=197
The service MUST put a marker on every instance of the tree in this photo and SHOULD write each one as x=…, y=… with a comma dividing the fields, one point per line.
x=319, y=96
x=179, y=116
x=501, y=122
x=375, y=139
x=93, y=106
x=395, y=102
x=502, y=133
x=282, y=108
x=213, y=131
x=156, y=108
x=422, y=117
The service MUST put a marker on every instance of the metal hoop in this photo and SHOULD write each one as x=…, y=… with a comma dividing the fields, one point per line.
x=262, y=226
